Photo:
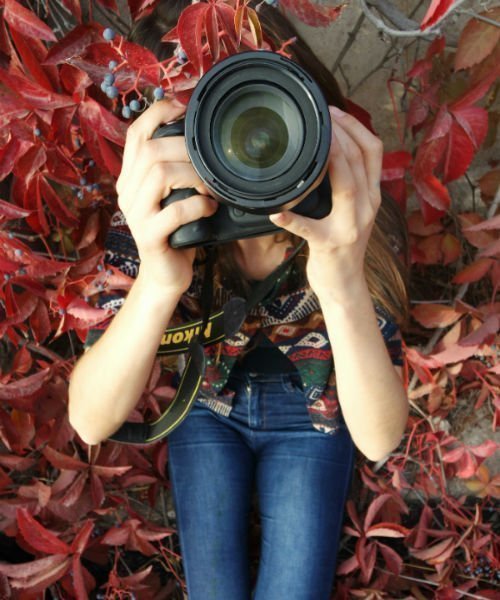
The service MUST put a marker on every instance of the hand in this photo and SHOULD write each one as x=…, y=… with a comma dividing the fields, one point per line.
x=337, y=243
x=151, y=168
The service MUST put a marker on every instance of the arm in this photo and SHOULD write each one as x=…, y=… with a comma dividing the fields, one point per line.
x=109, y=379
x=370, y=390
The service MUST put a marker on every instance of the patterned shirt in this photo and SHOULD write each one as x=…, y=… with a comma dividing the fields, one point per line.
x=292, y=320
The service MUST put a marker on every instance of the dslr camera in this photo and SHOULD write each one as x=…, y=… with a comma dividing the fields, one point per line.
x=257, y=130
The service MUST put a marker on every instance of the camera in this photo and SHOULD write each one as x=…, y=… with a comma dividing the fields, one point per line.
x=257, y=131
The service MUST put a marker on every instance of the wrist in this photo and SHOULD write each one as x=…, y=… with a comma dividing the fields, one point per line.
x=154, y=291
x=345, y=290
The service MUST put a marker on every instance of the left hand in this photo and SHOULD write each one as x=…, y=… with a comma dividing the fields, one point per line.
x=337, y=243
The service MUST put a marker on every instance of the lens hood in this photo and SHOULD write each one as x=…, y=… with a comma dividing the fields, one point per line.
x=258, y=132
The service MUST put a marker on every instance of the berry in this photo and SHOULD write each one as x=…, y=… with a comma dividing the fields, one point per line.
x=112, y=65
x=18, y=252
x=6, y=276
x=273, y=3
x=109, y=272
x=180, y=54
x=22, y=271
x=100, y=268
x=109, y=78
x=112, y=91
x=37, y=132
x=158, y=93
x=126, y=112
x=108, y=34
x=83, y=181
x=135, y=105
x=95, y=186
x=80, y=195
x=91, y=162
x=88, y=187
x=104, y=86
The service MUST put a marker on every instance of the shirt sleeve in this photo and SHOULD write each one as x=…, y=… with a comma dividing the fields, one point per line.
x=392, y=335
x=121, y=264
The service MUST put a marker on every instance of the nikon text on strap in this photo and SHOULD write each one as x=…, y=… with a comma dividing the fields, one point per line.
x=210, y=329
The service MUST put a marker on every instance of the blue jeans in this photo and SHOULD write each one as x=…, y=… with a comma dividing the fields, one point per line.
x=301, y=476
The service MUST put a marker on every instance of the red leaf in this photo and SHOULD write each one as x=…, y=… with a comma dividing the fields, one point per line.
x=436, y=553
x=74, y=491
x=56, y=205
x=11, y=211
x=484, y=334
x=435, y=315
x=39, y=538
x=27, y=23
x=32, y=568
x=348, y=565
x=102, y=121
x=374, y=508
x=436, y=10
x=392, y=559
x=80, y=542
x=30, y=58
x=212, y=32
x=116, y=536
x=72, y=44
x=485, y=449
x=313, y=14
x=367, y=555
x=34, y=94
x=431, y=192
x=63, y=461
x=493, y=223
x=474, y=272
x=477, y=40
x=42, y=581
x=454, y=455
x=189, y=28
x=77, y=579
x=466, y=466
x=392, y=530
x=26, y=386
x=96, y=489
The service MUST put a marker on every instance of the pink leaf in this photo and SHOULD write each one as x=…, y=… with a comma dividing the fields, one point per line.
x=436, y=10
x=392, y=530
x=39, y=538
x=26, y=22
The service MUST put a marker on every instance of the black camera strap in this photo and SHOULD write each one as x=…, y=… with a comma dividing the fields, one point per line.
x=191, y=337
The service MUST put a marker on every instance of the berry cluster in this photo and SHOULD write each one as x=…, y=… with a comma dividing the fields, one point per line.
x=483, y=568
x=108, y=85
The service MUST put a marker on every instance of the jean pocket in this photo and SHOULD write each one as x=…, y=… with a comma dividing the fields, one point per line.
x=292, y=383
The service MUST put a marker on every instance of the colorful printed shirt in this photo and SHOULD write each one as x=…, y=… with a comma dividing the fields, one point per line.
x=292, y=320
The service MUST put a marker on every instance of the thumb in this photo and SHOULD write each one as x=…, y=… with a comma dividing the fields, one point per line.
x=292, y=222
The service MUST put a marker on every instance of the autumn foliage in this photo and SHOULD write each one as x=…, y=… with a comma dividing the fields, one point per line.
x=93, y=522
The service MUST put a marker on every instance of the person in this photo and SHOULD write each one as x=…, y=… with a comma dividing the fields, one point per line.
x=313, y=374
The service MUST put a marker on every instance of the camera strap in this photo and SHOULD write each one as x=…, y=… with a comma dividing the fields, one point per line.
x=191, y=337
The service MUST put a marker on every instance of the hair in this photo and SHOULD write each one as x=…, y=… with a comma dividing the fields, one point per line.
x=386, y=259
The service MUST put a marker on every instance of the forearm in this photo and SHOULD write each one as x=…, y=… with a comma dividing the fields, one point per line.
x=370, y=391
x=109, y=379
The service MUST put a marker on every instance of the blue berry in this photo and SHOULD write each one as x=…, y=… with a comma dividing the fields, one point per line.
x=180, y=54
x=478, y=571
x=91, y=163
x=126, y=112
x=18, y=252
x=100, y=268
x=6, y=276
x=158, y=93
x=78, y=142
x=109, y=78
x=88, y=187
x=135, y=105
x=37, y=132
x=112, y=65
x=62, y=311
x=95, y=186
x=83, y=181
x=80, y=195
x=109, y=272
x=104, y=86
x=272, y=2
x=22, y=271
x=10, y=235
x=108, y=34
x=112, y=91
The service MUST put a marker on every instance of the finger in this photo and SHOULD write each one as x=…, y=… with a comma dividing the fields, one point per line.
x=182, y=212
x=142, y=129
x=354, y=174
x=145, y=198
x=343, y=184
x=306, y=228
x=371, y=146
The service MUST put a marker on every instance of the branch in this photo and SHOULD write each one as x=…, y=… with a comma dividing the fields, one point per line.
x=396, y=17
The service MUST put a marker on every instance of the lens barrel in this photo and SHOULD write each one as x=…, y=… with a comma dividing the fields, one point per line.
x=258, y=132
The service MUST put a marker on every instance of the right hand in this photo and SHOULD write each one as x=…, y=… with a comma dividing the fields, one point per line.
x=150, y=170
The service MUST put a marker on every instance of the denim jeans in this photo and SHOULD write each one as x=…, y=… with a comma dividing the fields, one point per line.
x=301, y=477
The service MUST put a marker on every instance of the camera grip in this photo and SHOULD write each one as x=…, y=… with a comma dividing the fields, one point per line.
x=189, y=235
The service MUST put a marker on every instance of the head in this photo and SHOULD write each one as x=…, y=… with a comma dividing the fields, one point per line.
x=386, y=257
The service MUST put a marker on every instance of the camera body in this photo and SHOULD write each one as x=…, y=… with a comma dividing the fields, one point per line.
x=257, y=131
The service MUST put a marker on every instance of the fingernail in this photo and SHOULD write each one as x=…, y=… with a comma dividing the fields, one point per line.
x=276, y=218
x=334, y=110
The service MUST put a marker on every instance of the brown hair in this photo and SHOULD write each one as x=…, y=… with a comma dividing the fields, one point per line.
x=386, y=260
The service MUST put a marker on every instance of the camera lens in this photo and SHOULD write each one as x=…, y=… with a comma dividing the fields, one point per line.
x=257, y=134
